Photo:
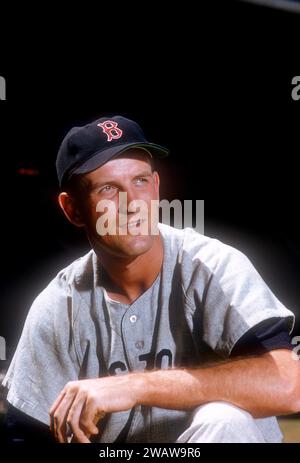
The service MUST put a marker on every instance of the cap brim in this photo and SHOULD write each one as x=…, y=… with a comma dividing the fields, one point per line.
x=100, y=158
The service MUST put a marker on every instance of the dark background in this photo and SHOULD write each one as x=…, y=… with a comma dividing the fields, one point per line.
x=213, y=84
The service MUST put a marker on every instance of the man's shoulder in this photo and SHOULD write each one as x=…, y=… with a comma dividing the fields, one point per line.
x=77, y=276
x=210, y=251
x=79, y=272
x=196, y=247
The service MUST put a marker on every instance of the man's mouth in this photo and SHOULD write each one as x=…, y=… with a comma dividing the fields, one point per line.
x=133, y=224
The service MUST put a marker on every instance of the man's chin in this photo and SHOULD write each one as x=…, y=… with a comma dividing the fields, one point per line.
x=126, y=246
x=136, y=245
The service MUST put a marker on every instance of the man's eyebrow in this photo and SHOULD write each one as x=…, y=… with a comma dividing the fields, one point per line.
x=145, y=173
x=94, y=186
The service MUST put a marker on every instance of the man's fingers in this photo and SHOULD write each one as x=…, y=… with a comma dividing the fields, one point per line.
x=90, y=417
x=74, y=417
x=83, y=440
x=53, y=409
x=60, y=417
x=77, y=409
x=57, y=402
x=98, y=417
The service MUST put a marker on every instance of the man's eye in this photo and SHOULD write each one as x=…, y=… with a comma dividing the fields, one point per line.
x=106, y=189
x=141, y=180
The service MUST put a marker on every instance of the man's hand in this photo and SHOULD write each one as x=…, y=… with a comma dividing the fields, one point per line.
x=265, y=385
x=81, y=404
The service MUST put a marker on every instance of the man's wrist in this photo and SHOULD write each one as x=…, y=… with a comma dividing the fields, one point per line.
x=140, y=386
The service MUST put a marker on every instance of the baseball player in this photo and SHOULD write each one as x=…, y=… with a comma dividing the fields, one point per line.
x=157, y=334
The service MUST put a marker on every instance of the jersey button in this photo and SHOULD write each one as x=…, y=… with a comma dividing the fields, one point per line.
x=133, y=318
x=139, y=345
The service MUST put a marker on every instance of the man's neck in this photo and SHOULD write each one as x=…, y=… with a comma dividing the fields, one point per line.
x=125, y=281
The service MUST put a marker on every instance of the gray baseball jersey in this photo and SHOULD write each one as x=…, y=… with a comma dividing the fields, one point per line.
x=206, y=297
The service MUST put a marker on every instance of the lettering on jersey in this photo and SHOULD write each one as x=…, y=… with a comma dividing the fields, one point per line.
x=162, y=360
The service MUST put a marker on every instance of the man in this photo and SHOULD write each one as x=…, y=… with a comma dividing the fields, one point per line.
x=157, y=334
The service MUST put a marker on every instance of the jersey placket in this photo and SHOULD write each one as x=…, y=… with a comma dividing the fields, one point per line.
x=133, y=333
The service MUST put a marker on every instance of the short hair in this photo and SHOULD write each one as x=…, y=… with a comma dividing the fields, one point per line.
x=76, y=185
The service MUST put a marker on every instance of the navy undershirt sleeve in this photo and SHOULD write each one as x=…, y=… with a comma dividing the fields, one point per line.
x=269, y=335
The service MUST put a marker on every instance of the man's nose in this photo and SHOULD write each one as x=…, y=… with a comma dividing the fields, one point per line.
x=126, y=197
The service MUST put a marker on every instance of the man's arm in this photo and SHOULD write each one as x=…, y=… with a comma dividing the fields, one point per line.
x=265, y=385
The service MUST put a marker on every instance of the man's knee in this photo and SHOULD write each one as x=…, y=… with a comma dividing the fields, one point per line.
x=217, y=413
x=221, y=422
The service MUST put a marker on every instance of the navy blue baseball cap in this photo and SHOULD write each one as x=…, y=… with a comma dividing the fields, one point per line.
x=86, y=148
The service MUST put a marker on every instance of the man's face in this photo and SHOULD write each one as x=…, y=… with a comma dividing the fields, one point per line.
x=129, y=173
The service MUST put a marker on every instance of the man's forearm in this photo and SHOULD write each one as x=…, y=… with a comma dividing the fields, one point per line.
x=264, y=386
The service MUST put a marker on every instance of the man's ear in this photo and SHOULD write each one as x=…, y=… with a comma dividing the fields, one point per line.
x=70, y=209
x=156, y=182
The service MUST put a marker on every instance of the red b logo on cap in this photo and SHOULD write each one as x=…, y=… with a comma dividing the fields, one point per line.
x=111, y=130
